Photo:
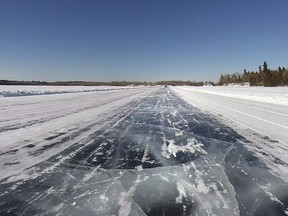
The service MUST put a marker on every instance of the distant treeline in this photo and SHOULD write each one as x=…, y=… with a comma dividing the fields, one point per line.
x=263, y=77
x=93, y=83
x=113, y=83
x=15, y=82
x=183, y=83
x=73, y=83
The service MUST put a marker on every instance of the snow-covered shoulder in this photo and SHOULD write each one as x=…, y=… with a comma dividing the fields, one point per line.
x=274, y=95
x=25, y=90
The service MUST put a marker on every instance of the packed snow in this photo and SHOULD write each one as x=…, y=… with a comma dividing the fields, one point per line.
x=29, y=125
x=24, y=90
x=274, y=95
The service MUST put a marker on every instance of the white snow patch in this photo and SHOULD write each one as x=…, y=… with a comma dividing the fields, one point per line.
x=89, y=175
x=139, y=168
x=125, y=200
x=146, y=151
x=169, y=148
x=125, y=204
x=182, y=193
x=272, y=197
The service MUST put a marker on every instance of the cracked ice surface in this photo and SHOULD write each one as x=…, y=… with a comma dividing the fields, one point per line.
x=185, y=189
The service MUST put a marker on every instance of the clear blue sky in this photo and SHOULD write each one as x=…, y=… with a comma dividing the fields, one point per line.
x=140, y=39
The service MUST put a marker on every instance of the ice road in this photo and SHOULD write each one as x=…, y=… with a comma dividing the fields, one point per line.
x=142, y=151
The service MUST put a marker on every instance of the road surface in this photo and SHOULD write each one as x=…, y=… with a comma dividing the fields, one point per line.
x=153, y=154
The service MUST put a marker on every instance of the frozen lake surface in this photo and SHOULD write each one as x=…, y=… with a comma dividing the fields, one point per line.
x=143, y=151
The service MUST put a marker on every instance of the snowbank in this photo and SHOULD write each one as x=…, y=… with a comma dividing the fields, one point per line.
x=274, y=95
x=19, y=90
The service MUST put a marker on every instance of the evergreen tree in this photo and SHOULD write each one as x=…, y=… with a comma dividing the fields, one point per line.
x=265, y=66
x=279, y=69
x=264, y=77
